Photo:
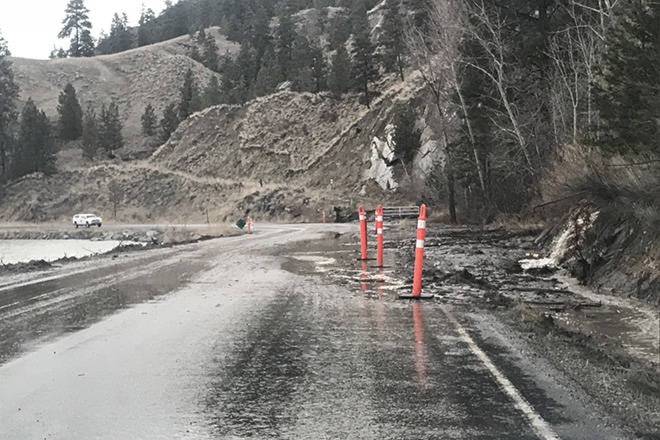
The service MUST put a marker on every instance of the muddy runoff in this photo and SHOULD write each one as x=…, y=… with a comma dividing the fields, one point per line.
x=608, y=345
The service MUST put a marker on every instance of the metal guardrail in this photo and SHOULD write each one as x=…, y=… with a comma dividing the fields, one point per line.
x=400, y=211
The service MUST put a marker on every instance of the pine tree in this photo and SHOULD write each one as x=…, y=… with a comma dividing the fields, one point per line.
x=212, y=94
x=210, y=53
x=339, y=79
x=190, y=101
x=194, y=54
x=146, y=17
x=115, y=194
x=341, y=30
x=302, y=63
x=169, y=122
x=285, y=37
x=391, y=41
x=35, y=145
x=628, y=96
x=75, y=23
x=319, y=68
x=120, y=38
x=259, y=36
x=90, y=135
x=110, y=126
x=57, y=53
x=363, y=68
x=149, y=121
x=70, y=114
x=8, y=97
x=269, y=75
x=86, y=44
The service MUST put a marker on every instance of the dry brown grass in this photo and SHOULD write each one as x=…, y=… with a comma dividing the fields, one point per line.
x=585, y=173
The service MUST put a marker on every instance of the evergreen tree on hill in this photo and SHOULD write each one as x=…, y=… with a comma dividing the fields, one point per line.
x=363, y=68
x=259, y=36
x=149, y=121
x=169, y=122
x=285, y=36
x=391, y=41
x=70, y=114
x=34, y=150
x=90, y=135
x=8, y=97
x=75, y=23
x=143, y=35
x=269, y=75
x=340, y=30
x=110, y=126
x=210, y=53
x=212, y=94
x=190, y=101
x=628, y=96
x=319, y=68
x=87, y=44
x=302, y=63
x=120, y=38
x=339, y=77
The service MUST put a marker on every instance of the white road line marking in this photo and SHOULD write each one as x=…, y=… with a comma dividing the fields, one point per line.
x=540, y=426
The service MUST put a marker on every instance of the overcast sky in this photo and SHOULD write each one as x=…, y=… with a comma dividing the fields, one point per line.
x=30, y=27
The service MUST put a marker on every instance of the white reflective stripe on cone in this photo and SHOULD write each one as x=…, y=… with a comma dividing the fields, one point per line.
x=379, y=218
x=363, y=217
x=379, y=231
x=419, y=244
x=421, y=224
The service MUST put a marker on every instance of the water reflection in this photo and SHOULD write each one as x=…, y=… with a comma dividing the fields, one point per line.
x=420, y=354
x=364, y=276
x=380, y=282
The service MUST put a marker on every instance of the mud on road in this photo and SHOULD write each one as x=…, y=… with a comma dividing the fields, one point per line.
x=608, y=346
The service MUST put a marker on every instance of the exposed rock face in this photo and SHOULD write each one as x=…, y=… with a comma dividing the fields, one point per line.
x=382, y=158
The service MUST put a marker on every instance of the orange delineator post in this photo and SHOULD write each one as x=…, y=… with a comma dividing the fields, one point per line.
x=363, y=230
x=379, y=236
x=419, y=252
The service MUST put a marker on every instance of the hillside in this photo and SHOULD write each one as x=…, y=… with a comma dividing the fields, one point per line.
x=151, y=74
x=285, y=156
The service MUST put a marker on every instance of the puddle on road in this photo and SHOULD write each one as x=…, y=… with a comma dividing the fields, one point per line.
x=477, y=268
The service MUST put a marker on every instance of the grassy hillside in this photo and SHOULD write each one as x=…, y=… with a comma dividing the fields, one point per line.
x=284, y=156
x=150, y=74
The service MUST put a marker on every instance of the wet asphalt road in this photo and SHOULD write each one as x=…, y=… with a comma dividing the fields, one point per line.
x=239, y=338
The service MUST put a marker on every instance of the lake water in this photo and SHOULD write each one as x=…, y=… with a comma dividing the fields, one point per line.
x=19, y=251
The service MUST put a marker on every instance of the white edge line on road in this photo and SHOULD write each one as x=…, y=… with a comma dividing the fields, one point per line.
x=540, y=426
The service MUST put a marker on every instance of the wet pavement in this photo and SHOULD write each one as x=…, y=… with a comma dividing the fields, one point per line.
x=264, y=336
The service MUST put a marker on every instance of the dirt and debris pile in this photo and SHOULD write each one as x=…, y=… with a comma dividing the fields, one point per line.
x=611, y=250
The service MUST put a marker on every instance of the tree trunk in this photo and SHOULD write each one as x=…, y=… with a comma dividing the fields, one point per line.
x=473, y=144
x=451, y=194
